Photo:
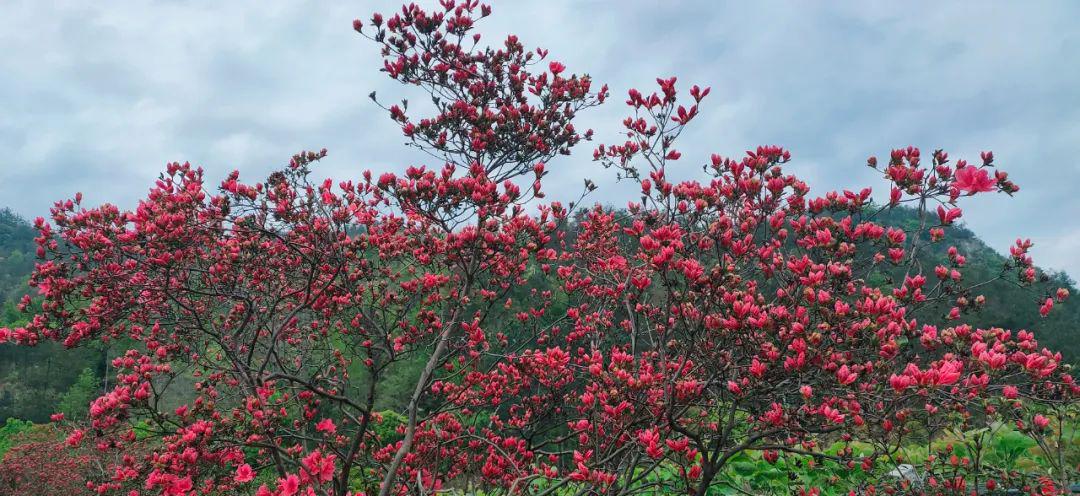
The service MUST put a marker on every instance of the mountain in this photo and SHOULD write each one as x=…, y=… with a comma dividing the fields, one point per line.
x=1008, y=305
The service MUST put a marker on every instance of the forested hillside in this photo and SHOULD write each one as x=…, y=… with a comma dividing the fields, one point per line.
x=36, y=382
x=16, y=259
x=1007, y=305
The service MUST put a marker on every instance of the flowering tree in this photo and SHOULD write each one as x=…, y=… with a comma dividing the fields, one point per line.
x=705, y=321
x=746, y=314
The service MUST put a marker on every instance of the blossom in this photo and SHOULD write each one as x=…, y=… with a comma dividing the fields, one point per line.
x=289, y=485
x=1045, y=308
x=244, y=473
x=326, y=425
x=179, y=487
x=318, y=467
x=948, y=216
x=973, y=180
x=845, y=375
x=75, y=438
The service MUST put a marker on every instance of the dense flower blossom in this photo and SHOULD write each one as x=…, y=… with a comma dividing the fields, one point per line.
x=559, y=344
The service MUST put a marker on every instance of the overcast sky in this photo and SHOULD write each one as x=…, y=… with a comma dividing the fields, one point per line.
x=98, y=96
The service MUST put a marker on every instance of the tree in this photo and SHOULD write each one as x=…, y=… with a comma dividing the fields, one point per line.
x=76, y=400
x=714, y=319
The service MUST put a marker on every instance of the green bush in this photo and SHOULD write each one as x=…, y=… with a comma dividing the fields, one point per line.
x=12, y=428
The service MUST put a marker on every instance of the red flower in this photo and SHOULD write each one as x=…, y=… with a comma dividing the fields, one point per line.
x=244, y=473
x=75, y=438
x=179, y=487
x=948, y=216
x=288, y=486
x=973, y=180
x=845, y=375
x=327, y=426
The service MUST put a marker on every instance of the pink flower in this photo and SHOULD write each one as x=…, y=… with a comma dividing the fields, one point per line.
x=901, y=382
x=244, y=473
x=75, y=438
x=757, y=368
x=289, y=486
x=179, y=487
x=1040, y=421
x=845, y=375
x=1045, y=308
x=948, y=216
x=948, y=372
x=832, y=414
x=318, y=467
x=973, y=180
x=327, y=426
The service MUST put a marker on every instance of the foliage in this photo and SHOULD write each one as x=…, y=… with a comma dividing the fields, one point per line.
x=674, y=346
x=76, y=401
x=10, y=431
x=16, y=259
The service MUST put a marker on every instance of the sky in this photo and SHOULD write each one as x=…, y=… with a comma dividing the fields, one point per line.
x=98, y=96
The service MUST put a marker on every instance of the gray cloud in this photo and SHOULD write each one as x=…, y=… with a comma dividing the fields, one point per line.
x=97, y=97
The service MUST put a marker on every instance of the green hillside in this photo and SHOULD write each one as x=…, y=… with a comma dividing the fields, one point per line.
x=16, y=260
x=1008, y=305
x=36, y=382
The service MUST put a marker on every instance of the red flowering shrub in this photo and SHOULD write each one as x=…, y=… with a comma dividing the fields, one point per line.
x=39, y=464
x=709, y=319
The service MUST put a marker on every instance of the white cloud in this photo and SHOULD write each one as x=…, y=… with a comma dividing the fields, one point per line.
x=97, y=97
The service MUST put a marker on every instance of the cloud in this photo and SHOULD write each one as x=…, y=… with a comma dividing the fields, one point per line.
x=99, y=96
